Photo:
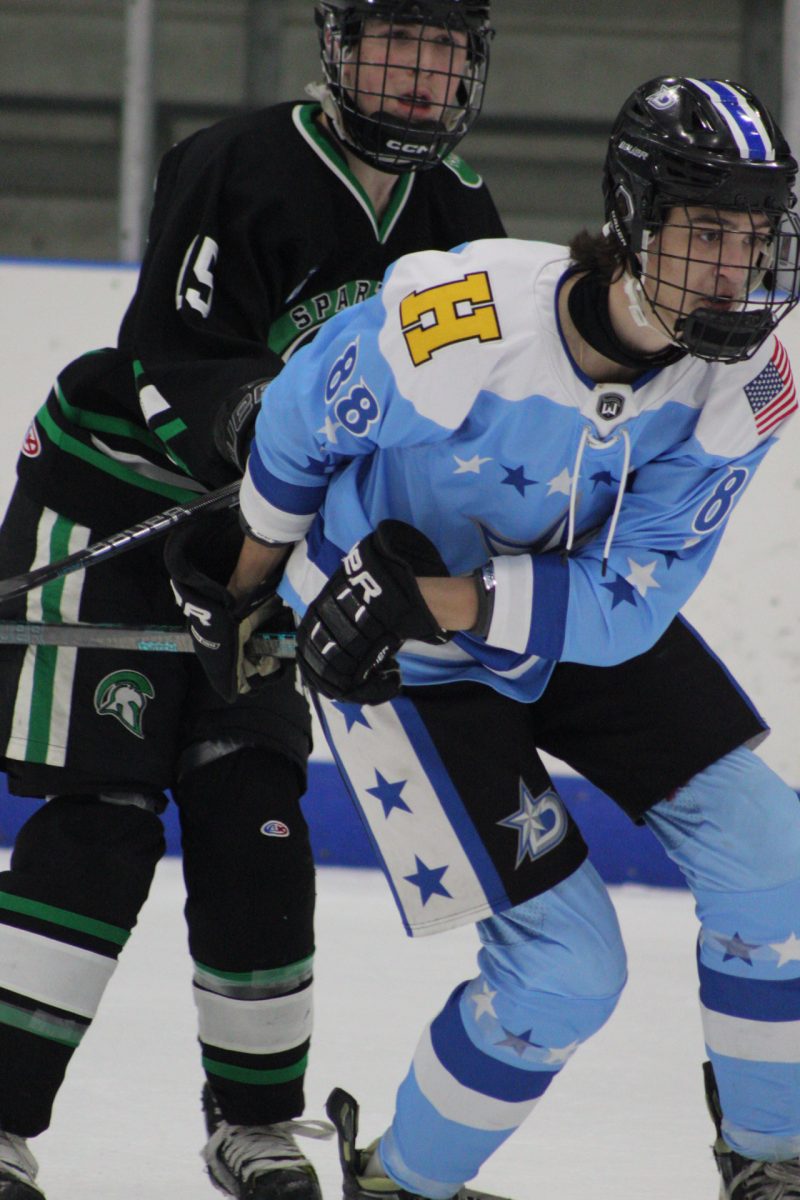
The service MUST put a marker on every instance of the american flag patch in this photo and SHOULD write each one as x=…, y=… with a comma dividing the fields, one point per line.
x=771, y=394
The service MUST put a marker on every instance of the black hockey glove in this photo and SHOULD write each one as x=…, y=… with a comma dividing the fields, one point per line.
x=349, y=635
x=235, y=422
x=200, y=557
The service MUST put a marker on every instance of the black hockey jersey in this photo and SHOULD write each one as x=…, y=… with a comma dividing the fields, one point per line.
x=259, y=232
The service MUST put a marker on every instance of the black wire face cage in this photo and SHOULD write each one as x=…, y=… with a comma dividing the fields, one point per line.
x=699, y=195
x=719, y=280
x=407, y=88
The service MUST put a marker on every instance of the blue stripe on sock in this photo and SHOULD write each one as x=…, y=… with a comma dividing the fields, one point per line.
x=476, y=1070
x=753, y=999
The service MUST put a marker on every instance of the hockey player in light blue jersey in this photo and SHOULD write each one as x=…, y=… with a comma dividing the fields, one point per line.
x=502, y=478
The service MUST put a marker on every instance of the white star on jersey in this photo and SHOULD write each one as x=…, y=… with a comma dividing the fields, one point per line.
x=483, y=1002
x=560, y=1054
x=328, y=430
x=471, y=466
x=788, y=951
x=561, y=485
x=641, y=576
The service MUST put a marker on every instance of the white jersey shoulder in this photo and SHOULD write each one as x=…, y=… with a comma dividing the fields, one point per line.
x=747, y=402
x=469, y=320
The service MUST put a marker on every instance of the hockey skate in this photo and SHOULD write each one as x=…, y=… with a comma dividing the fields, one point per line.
x=343, y=1112
x=745, y=1178
x=18, y=1169
x=257, y=1162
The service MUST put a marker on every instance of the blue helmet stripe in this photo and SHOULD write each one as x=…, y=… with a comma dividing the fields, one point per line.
x=743, y=120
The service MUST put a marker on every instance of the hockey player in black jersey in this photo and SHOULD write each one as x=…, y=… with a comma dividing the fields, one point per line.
x=263, y=226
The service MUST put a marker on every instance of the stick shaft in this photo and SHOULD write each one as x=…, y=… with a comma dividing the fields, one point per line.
x=170, y=639
x=137, y=535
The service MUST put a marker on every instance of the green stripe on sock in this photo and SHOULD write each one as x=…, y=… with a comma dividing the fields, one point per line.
x=274, y=975
x=249, y=1075
x=38, y=1024
x=68, y=920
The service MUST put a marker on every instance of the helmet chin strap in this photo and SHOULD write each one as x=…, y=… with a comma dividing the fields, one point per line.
x=634, y=292
x=635, y=295
x=322, y=94
x=641, y=309
x=640, y=306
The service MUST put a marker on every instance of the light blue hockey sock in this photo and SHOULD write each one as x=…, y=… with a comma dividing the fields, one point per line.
x=551, y=973
x=734, y=831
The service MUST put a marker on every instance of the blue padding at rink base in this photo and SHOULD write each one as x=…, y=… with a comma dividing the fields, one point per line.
x=621, y=851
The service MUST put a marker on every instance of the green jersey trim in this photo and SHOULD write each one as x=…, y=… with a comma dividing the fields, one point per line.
x=46, y=657
x=163, y=434
x=95, y=458
x=304, y=117
x=302, y=320
x=82, y=418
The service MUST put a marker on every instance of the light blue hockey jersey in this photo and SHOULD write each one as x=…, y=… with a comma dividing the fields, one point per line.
x=450, y=401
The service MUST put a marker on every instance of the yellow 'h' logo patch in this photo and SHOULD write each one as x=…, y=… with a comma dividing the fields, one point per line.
x=451, y=312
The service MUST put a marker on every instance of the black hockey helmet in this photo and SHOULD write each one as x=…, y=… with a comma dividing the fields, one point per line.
x=391, y=142
x=709, y=143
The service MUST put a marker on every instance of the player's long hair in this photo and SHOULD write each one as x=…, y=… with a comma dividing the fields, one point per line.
x=597, y=253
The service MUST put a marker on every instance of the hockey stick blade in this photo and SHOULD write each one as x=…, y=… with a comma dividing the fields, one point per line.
x=146, y=531
x=169, y=639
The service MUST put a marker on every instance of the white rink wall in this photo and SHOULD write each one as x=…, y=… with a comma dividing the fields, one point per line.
x=747, y=608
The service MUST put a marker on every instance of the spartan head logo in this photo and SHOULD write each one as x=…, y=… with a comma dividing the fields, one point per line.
x=124, y=695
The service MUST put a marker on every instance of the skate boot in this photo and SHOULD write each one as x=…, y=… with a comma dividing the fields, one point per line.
x=258, y=1162
x=343, y=1112
x=18, y=1169
x=746, y=1178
